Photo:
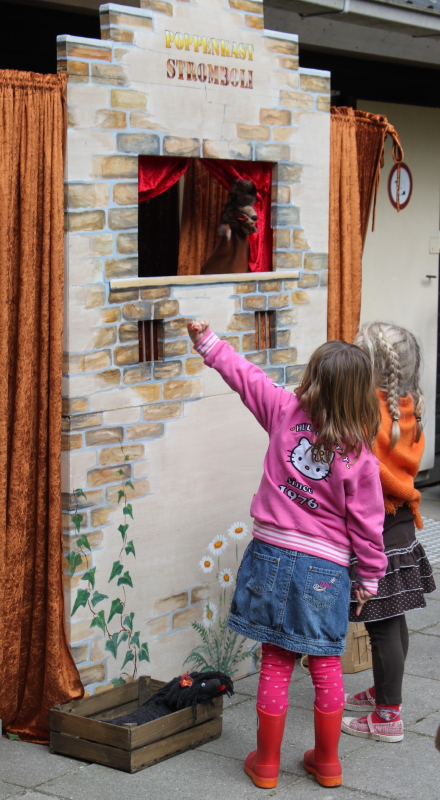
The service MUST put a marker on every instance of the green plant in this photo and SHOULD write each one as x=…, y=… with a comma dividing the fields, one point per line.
x=117, y=626
x=221, y=649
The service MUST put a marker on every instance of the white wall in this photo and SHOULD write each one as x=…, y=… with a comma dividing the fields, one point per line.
x=396, y=256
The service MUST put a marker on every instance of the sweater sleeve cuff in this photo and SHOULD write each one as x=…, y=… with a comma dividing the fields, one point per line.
x=370, y=584
x=207, y=343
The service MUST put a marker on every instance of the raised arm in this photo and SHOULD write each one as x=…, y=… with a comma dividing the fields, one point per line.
x=258, y=393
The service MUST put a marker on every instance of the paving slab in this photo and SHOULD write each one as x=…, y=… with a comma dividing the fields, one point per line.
x=422, y=618
x=421, y=696
x=7, y=790
x=28, y=765
x=307, y=788
x=407, y=770
x=29, y=795
x=423, y=656
x=195, y=775
x=426, y=726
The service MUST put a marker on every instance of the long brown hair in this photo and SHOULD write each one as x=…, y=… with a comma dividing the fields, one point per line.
x=338, y=396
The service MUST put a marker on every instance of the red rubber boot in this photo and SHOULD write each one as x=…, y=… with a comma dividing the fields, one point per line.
x=263, y=764
x=323, y=761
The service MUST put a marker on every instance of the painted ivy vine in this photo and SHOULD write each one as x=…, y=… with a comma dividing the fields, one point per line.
x=118, y=627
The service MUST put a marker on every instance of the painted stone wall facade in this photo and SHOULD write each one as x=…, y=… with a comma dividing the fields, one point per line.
x=182, y=447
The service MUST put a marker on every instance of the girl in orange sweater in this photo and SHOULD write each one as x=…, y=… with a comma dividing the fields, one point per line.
x=399, y=446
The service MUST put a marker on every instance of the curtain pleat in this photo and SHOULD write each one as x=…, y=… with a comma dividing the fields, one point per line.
x=36, y=668
x=357, y=140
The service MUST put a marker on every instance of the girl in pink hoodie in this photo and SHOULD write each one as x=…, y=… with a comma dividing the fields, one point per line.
x=319, y=500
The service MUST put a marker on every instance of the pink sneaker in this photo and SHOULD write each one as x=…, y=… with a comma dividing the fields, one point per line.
x=363, y=701
x=366, y=728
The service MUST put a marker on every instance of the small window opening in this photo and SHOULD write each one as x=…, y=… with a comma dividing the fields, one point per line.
x=265, y=330
x=150, y=333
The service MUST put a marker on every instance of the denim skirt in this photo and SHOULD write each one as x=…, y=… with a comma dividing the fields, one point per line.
x=291, y=599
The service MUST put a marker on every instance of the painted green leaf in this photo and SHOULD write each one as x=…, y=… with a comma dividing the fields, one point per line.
x=112, y=645
x=116, y=570
x=116, y=608
x=129, y=483
x=121, y=494
x=83, y=542
x=98, y=621
x=128, y=510
x=130, y=549
x=77, y=519
x=125, y=579
x=81, y=599
x=74, y=560
x=129, y=656
x=79, y=493
x=97, y=597
x=118, y=682
x=120, y=471
x=90, y=577
x=143, y=652
x=135, y=639
x=126, y=458
x=128, y=621
x=123, y=637
x=123, y=530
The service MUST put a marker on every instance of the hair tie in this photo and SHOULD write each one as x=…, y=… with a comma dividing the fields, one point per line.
x=419, y=419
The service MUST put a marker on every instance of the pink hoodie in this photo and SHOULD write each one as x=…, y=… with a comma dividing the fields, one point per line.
x=327, y=510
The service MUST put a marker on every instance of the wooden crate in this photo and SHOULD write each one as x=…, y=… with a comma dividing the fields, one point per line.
x=357, y=656
x=76, y=728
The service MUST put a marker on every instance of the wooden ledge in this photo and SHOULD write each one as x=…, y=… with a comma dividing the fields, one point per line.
x=196, y=280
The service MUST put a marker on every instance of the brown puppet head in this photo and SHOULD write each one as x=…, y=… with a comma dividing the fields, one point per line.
x=239, y=212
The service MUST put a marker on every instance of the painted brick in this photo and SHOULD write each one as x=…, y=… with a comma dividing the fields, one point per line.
x=294, y=374
x=323, y=278
x=199, y=594
x=184, y=618
x=272, y=116
x=126, y=355
x=165, y=308
x=269, y=286
x=127, y=243
x=88, y=51
x=296, y=100
x=290, y=260
x=139, y=119
x=165, y=370
x=259, y=132
x=242, y=322
x=118, y=167
x=176, y=389
x=109, y=315
x=109, y=74
x=283, y=192
x=289, y=173
x=278, y=301
x=78, y=70
x=104, y=436
x=286, y=356
x=254, y=302
x=117, y=34
x=259, y=358
x=125, y=194
x=122, y=295
x=98, y=477
x=78, y=631
x=125, y=19
x=100, y=516
x=246, y=5
x=234, y=341
x=158, y=5
x=323, y=103
x=248, y=342
x=287, y=216
x=74, y=405
x=85, y=421
x=101, y=244
x=308, y=281
x=283, y=338
x=173, y=603
x=282, y=238
x=114, y=455
x=128, y=332
x=193, y=365
x=141, y=310
x=70, y=542
x=300, y=298
x=86, y=195
x=159, y=626
x=106, y=118
x=179, y=347
x=257, y=23
x=141, y=488
x=148, y=392
x=151, y=431
x=122, y=218
x=241, y=151
x=155, y=294
x=272, y=152
x=175, y=327
x=94, y=497
x=68, y=525
x=80, y=652
x=162, y=411
x=138, y=374
x=176, y=146
x=244, y=288
x=275, y=375
x=288, y=63
x=85, y=221
x=316, y=261
x=104, y=337
x=94, y=673
x=284, y=46
x=313, y=83
x=73, y=442
x=288, y=317
x=121, y=268
x=299, y=241
x=141, y=143
x=283, y=134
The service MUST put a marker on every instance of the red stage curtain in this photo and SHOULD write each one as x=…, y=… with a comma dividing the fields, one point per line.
x=159, y=173
x=260, y=173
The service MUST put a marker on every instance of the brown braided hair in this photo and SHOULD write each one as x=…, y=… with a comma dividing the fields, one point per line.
x=396, y=360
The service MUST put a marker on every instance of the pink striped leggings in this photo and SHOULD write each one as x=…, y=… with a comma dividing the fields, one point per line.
x=276, y=671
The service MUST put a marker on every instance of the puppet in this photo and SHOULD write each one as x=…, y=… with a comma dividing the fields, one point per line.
x=238, y=222
x=182, y=692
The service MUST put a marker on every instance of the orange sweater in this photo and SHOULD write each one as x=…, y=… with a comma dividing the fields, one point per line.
x=399, y=466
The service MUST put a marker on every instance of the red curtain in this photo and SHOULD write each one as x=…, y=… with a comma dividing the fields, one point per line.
x=226, y=172
x=159, y=173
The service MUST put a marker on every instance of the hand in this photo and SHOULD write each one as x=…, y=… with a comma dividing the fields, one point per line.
x=362, y=597
x=197, y=329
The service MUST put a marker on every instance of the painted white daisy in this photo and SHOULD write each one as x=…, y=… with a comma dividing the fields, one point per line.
x=218, y=544
x=238, y=531
x=206, y=564
x=226, y=578
x=209, y=615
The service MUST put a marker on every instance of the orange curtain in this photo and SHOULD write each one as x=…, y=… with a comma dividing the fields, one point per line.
x=203, y=201
x=36, y=667
x=357, y=141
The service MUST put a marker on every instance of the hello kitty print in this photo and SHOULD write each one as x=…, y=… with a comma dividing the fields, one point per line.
x=305, y=461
